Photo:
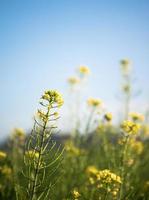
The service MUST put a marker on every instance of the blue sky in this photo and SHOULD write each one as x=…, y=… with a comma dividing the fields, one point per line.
x=42, y=42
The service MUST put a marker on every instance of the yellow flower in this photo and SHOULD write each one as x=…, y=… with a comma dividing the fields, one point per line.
x=70, y=148
x=76, y=194
x=73, y=80
x=84, y=70
x=53, y=97
x=2, y=155
x=108, y=177
x=91, y=180
x=18, y=132
x=5, y=170
x=91, y=170
x=130, y=127
x=94, y=102
x=145, y=130
x=137, y=146
x=108, y=116
x=136, y=116
x=125, y=66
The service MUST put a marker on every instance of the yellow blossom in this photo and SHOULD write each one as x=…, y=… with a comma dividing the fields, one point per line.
x=125, y=66
x=94, y=102
x=84, y=70
x=71, y=148
x=2, y=155
x=107, y=176
x=91, y=170
x=130, y=127
x=76, y=194
x=73, y=80
x=136, y=116
x=145, y=130
x=136, y=146
x=108, y=116
x=19, y=133
x=5, y=170
x=53, y=97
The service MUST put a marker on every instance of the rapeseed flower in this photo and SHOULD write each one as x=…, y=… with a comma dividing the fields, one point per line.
x=84, y=70
x=125, y=66
x=72, y=149
x=130, y=127
x=73, y=80
x=91, y=170
x=5, y=170
x=94, y=102
x=136, y=116
x=75, y=194
x=2, y=155
x=108, y=117
x=136, y=146
x=53, y=97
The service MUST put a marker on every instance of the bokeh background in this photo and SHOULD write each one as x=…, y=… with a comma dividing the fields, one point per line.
x=43, y=42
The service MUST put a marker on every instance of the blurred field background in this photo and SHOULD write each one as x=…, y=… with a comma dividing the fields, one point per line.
x=95, y=53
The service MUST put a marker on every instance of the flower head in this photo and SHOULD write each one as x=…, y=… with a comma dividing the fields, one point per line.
x=136, y=116
x=108, y=117
x=83, y=70
x=125, y=66
x=18, y=132
x=91, y=170
x=130, y=127
x=73, y=80
x=75, y=194
x=72, y=149
x=53, y=97
x=107, y=176
x=94, y=102
x=2, y=155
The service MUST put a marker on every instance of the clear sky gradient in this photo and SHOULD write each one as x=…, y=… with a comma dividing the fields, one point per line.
x=43, y=41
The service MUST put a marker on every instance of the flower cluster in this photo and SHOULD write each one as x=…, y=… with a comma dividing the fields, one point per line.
x=94, y=102
x=83, y=70
x=2, y=155
x=108, y=117
x=136, y=146
x=75, y=194
x=53, y=97
x=73, y=80
x=6, y=171
x=130, y=127
x=18, y=132
x=72, y=149
x=104, y=179
x=136, y=116
x=125, y=66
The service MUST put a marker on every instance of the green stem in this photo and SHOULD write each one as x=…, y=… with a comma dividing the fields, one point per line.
x=122, y=171
x=39, y=159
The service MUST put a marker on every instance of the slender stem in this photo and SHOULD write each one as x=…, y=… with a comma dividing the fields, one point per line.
x=122, y=172
x=39, y=158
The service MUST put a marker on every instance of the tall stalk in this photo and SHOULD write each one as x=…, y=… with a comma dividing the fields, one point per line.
x=41, y=157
